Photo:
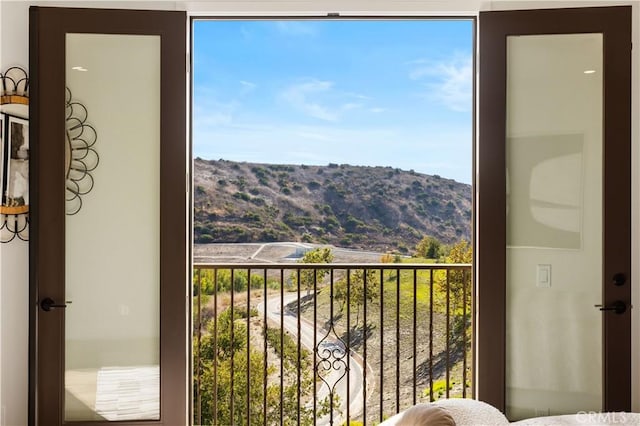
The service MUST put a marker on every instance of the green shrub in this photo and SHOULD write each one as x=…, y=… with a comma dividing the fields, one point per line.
x=242, y=196
x=313, y=185
x=204, y=239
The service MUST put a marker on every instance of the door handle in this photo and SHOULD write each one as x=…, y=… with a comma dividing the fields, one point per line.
x=48, y=303
x=619, y=307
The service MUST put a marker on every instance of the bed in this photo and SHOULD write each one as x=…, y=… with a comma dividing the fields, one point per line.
x=468, y=412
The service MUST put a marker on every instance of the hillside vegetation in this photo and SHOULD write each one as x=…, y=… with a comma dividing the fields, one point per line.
x=371, y=208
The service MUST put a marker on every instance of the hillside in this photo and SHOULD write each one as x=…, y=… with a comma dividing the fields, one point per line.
x=373, y=208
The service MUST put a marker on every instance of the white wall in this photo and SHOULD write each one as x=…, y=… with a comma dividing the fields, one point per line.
x=14, y=280
x=14, y=51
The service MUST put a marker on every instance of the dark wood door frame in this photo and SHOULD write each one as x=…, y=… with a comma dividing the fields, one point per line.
x=615, y=24
x=48, y=27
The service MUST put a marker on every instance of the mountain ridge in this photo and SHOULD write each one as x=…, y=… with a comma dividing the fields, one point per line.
x=364, y=207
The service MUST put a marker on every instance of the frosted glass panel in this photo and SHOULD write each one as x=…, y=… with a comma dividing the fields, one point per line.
x=112, y=323
x=554, y=224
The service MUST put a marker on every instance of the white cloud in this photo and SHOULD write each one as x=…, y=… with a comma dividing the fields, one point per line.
x=449, y=81
x=246, y=34
x=416, y=62
x=318, y=111
x=210, y=112
x=359, y=96
x=314, y=136
x=295, y=28
x=246, y=87
x=351, y=105
x=298, y=95
x=322, y=100
x=216, y=118
x=418, y=73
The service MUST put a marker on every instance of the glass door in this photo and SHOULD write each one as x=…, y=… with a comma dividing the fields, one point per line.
x=554, y=224
x=554, y=211
x=110, y=245
x=112, y=318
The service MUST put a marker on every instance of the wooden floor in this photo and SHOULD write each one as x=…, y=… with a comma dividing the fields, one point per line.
x=113, y=393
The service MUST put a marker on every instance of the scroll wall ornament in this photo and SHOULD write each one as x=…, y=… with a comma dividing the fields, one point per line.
x=80, y=156
x=14, y=155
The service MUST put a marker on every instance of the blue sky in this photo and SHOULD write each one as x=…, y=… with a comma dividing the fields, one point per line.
x=376, y=93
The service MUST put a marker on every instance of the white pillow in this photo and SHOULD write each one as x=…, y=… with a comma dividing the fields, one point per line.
x=469, y=412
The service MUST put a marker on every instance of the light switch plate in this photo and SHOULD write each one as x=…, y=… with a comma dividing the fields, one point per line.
x=543, y=276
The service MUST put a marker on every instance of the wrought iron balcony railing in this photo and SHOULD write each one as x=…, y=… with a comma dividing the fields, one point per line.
x=308, y=344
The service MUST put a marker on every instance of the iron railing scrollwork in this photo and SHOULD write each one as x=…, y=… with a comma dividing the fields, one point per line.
x=365, y=342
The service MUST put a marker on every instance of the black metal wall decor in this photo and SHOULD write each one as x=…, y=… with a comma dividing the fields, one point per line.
x=80, y=155
x=14, y=155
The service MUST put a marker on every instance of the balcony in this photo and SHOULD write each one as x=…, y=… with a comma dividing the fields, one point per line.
x=327, y=344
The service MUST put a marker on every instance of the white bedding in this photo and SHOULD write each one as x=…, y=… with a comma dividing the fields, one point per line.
x=589, y=419
x=467, y=412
